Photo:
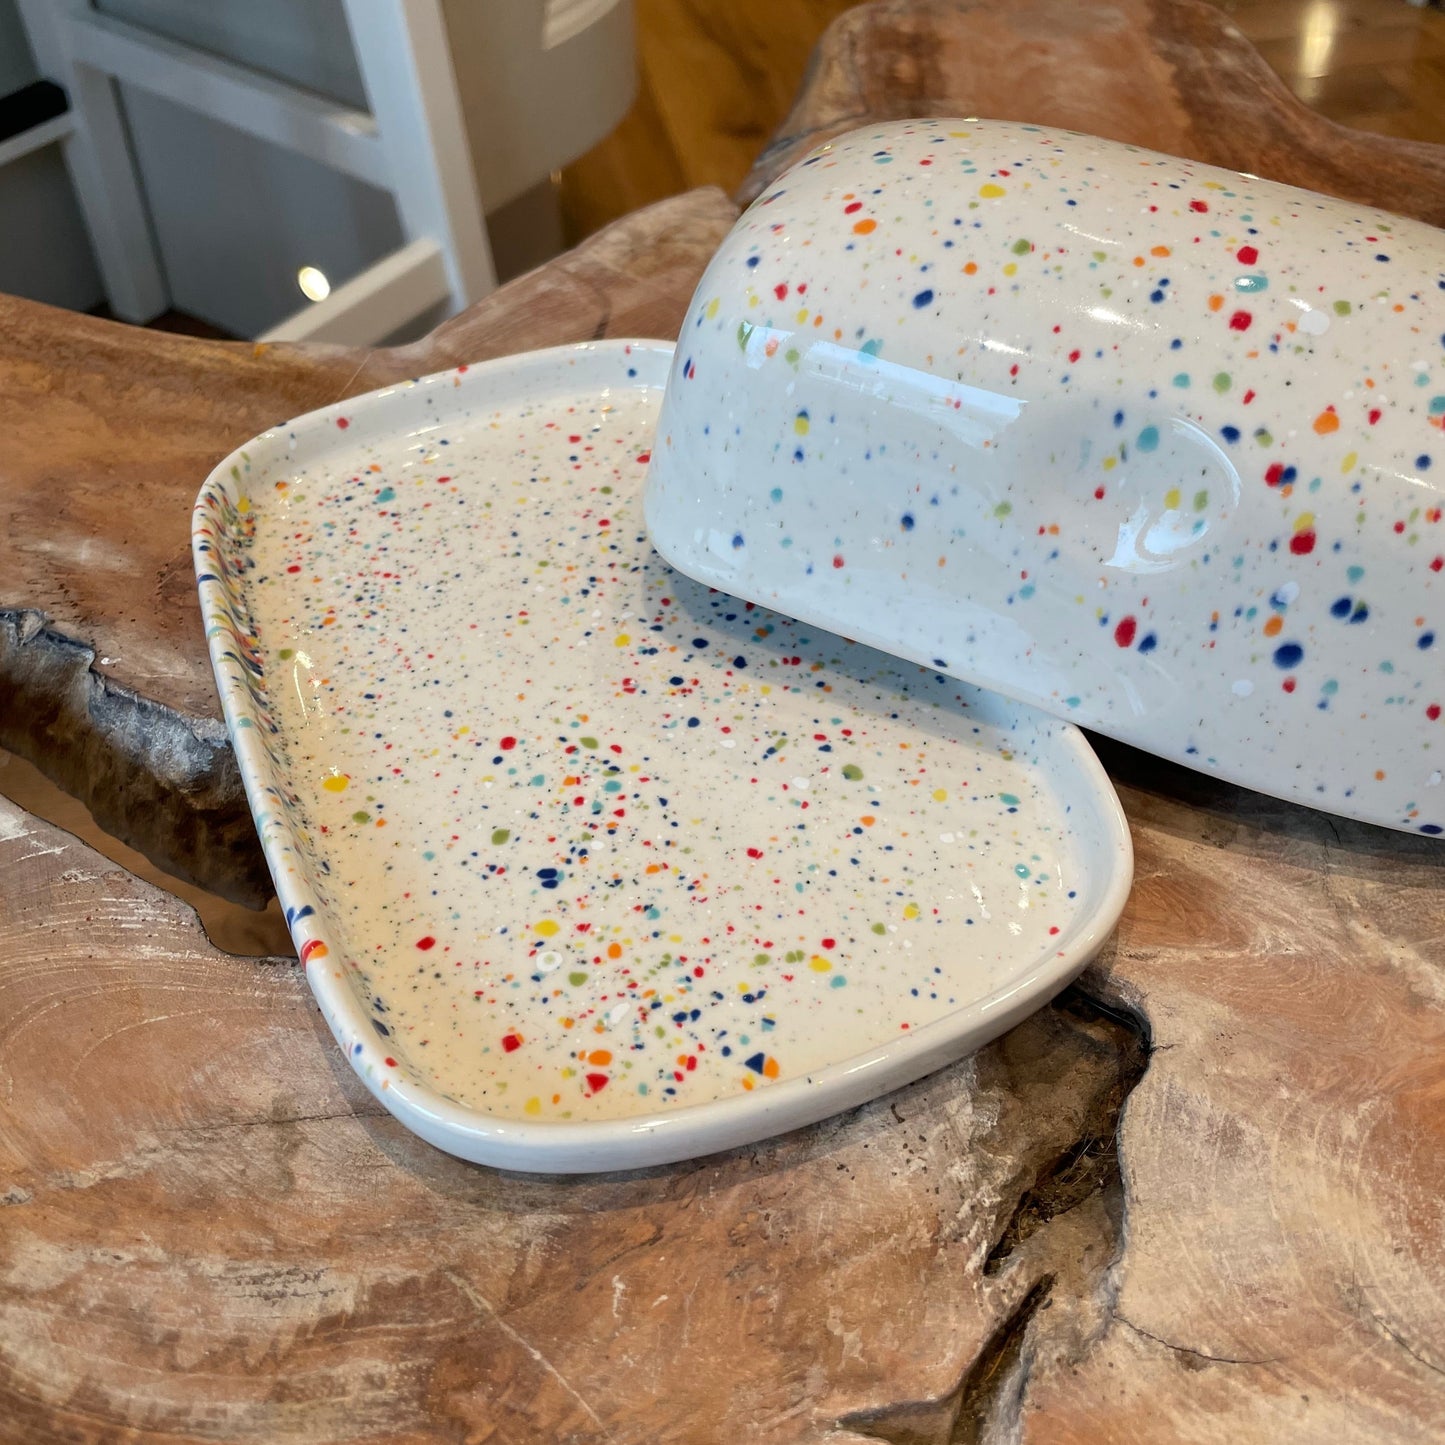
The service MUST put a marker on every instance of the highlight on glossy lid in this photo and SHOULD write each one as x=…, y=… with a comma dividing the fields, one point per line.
x=1149, y=444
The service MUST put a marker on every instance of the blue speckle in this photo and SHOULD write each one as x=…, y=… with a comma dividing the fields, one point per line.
x=923, y=298
x=1229, y=433
x=1425, y=639
x=737, y=540
x=906, y=521
x=1288, y=654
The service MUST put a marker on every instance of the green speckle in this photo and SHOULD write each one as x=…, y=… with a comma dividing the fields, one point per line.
x=1201, y=501
x=578, y=978
x=1264, y=437
x=286, y=654
x=792, y=356
x=500, y=835
x=1342, y=308
x=744, y=332
x=1222, y=382
x=880, y=928
x=1003, y=509
x=361, y=816
x=1100, y=255
x=588, y=742
x=1022, y=247
x=852, y=772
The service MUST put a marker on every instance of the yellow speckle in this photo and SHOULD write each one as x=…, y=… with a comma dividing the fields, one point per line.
x=1348, y=465
x=1010, y=269
x=991, y=192
x=911, y=911
x=336, y=783
x=243, y=505
x=532, y=1106
x=1110, y=463
x=940, y=795
x=800, y=425
x=802, y=314
x=712, y=307
x=547, y=928
x=622, y=639
x=1171, y=498
x=819, y=964
x=1304, y=521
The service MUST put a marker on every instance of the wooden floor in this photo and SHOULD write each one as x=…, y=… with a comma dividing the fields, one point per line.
x=715, y=79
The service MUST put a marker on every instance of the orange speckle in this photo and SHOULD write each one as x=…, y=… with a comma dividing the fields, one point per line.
x=865, y=227
x=1273, y=627
x=1327, y=421
x=600, y=1057
x=970, y=268
x=614, y=950
x=1379, y=775
x=1215, y=302
x=1159, y=251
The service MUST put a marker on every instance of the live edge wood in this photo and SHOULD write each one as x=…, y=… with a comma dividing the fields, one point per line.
x=1171, y=75
x=106, y=434
x=209, y=1231
x=1202, y=1198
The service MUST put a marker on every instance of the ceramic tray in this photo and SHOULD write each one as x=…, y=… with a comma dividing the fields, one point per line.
x=590, y=866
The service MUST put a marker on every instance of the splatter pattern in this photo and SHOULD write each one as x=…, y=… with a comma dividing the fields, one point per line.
x=588, y=840
x=1153, y=446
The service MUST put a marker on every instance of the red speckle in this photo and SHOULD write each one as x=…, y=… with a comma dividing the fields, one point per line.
x=574, y=440
x=293, y=568
x=390, y=1063
x=443, y=479
x=426, y=943
x=1302, y=543
x=830, y=943
x=838, y=560
x=1288, y=684
x=1200, y=206
x=1433, y=712
x=310, y=947
x=1248, y=396
x=507, y=744
x=1399, y=527
x=1246, y=255
x=1375, y=415
x=1075, y=355
x=1098, y=494
x=1240, y=321
x=342, y=422
x=511, y=1042
x=1054, y=929
x=780, y=290
x=1124, y=632
x=856, y=206
x=1437, y=564
x=596, y=1083
x=1275, y=474
x=644, y=457
x=755, y=852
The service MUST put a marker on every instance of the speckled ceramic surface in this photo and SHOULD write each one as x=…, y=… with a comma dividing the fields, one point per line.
x=1153, y=446
x=589, y=866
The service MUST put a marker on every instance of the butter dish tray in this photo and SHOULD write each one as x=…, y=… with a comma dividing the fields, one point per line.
x=591, y=866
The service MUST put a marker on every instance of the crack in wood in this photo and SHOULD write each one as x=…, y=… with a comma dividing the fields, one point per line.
x=963, y=1416
x=1191, y=1353
x=1089, y=1165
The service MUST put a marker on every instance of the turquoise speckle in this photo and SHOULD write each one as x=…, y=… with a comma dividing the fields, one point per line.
x=776, y=494
x=1148, y=439
x=1251, y=283
x=872, y=346
x=1182, y=380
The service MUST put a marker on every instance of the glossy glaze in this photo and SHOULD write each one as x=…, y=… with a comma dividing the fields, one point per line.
x=1151, y=445
x=591, y=866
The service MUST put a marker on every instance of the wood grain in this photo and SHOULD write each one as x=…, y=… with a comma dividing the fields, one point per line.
x=209, y=1230
x=1173, y=75
x=106, y=433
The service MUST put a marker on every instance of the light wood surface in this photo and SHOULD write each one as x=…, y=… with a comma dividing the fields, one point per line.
x=1201, y=1198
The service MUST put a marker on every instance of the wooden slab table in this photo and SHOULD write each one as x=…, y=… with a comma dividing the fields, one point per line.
x=1201, y=1197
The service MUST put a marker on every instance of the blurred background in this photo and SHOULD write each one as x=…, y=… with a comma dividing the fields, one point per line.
x=226, y=167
